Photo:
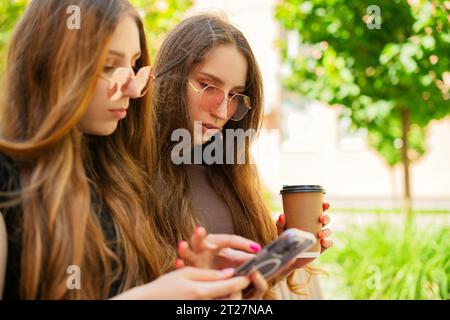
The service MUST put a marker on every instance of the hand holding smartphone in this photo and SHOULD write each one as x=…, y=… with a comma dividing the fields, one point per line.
x=271, y=259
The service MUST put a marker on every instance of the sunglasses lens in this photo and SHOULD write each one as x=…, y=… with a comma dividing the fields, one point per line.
x=238, y=107
x=144, y=78
x=125, y=82
x=211, y=98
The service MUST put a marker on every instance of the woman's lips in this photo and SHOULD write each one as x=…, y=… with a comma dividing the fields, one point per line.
x=208, y=131
x=119, y=113
x=206, y=127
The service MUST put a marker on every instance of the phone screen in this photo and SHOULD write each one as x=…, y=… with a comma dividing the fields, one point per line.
x=278, y=253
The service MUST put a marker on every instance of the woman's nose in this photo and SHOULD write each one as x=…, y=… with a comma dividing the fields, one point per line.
x=221, y=112
x=126, y=84
x=131, y=89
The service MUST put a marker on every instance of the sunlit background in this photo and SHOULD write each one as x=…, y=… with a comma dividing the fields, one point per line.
x=356, y=100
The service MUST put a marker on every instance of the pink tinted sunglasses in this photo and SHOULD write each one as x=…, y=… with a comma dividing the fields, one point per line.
x=124, y=81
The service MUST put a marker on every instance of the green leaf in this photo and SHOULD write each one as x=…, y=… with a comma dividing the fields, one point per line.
x=374, y=73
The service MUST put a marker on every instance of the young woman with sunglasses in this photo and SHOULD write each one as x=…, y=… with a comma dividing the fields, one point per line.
x=207, y=74
x=76, y=150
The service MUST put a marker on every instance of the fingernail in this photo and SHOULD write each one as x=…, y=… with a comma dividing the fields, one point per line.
x=321, y=234
x=227, y=270
x=197, y=230
x=178, y=263
x=255, y=247
x=180, y=243
x=280, y=218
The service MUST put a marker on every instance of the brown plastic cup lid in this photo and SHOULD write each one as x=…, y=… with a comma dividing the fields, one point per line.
x=302, y=188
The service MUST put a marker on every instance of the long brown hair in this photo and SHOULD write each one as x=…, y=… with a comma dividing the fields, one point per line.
x=50, y=77
x=184, y=48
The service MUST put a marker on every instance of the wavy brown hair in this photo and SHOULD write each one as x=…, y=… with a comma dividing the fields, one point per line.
x=184, y=48
x=50, y=77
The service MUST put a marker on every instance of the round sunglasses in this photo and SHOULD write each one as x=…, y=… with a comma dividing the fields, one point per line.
x=211, y=97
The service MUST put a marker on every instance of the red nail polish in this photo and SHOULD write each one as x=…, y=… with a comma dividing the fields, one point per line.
x=255, y=247
x=179, y=264
x=280, y=218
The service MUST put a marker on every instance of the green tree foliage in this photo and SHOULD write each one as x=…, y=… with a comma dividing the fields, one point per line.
x=10, y=11
x=159, y=17
x=391, y=81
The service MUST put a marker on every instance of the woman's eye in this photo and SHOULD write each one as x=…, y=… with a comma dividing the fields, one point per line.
x=203, y=85
x=108, y=69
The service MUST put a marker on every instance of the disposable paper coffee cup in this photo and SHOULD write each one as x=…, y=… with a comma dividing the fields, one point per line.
x=302, y=207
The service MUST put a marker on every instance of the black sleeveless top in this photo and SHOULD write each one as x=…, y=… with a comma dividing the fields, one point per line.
x=10, y=181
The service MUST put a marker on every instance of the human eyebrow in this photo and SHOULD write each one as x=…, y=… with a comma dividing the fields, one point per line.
x=121, y=55
x=219, y=81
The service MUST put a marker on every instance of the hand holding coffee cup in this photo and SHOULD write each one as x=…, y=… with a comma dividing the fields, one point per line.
x=303, y=209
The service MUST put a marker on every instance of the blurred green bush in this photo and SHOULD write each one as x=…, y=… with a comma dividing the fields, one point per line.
x=385, y=262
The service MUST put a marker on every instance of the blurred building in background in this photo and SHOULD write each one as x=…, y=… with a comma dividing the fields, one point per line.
x=306, y=143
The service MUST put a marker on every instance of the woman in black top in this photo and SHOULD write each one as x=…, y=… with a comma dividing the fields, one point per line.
x=74, y=182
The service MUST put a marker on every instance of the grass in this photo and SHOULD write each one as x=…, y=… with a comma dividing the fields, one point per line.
x=384, y=261
x=381, y=262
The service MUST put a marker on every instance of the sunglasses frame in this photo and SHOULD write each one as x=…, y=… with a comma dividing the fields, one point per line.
x=201, y=91
x=134, y=73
